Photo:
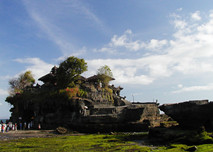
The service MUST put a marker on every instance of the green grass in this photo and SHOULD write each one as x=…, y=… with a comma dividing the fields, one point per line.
x=92, y=142
x=72, y=144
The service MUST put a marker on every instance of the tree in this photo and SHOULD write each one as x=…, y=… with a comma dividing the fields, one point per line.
x=69, y=71
x=18, y=84
x=105, y=75
x=105, y=70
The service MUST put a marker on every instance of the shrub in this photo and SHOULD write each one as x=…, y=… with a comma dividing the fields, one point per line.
x=73, y=92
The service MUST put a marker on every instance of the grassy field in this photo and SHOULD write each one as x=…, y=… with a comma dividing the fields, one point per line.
x=94, y=142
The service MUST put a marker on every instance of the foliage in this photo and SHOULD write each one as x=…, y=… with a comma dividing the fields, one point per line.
x=105, y=70
x=69, y=70
x=18, y=84
x=105, y=75
x=73, y=92
x=108, y=90
x=107, y=94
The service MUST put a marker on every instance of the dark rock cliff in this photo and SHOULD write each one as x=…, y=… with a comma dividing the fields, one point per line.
x=191, y=114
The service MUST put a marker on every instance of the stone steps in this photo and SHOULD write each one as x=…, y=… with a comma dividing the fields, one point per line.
x=101, y=118
x=98, y=110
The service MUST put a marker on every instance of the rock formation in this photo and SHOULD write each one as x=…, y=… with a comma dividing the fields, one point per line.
x=87, y=107
x=191, y=114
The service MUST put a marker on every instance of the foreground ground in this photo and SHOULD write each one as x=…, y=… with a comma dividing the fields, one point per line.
x=49, y=141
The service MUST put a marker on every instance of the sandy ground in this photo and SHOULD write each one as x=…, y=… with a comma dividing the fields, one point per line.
x=21, y=134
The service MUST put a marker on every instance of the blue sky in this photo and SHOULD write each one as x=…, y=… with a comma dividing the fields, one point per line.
x=156, y=49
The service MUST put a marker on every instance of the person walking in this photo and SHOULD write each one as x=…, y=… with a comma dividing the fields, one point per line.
x=39, y=126
x=2, y=128
x=7, y=128
x=20, y=125
x=28, y=126
x=15, y=126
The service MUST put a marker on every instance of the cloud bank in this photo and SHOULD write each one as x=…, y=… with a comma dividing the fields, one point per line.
x=188, y=52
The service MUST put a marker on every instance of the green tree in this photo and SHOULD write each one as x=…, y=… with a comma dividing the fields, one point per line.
x=18, y=84
x=105, y=70
x=105, y=75
x=69, y=71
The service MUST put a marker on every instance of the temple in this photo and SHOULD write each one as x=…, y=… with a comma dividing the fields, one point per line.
x=92, y=105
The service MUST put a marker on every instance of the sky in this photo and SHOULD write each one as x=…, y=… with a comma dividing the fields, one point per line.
x=157, y=49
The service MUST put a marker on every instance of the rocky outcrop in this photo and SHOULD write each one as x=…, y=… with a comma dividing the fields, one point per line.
x=102, y=117
x=132, y=117
x=191, y=114
x=89, y=106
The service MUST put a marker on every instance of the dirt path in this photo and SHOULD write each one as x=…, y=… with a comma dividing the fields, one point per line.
x=21, y=134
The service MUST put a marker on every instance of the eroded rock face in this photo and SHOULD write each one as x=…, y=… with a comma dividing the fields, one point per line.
x=191, y=114
x=99, y=117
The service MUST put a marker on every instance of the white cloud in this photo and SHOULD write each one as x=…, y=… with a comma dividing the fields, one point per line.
x=36, y=65
x=179, y=9
x=180, y=85
x=126, y=41
x=3, y=92
x=156, y=44
x=195, y=88
x=124, y=70
x=188, y=52
x=180, y=24
x=106, y=49
x=196, y=16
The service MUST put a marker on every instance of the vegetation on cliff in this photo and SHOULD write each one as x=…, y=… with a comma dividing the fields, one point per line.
x=18, y=84
x=61, y=87
x=69, y=71
x=105, y=74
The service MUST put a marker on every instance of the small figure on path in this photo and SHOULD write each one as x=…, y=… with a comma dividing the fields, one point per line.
x=39, y=126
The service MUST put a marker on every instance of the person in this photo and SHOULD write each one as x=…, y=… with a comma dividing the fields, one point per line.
x=85, y=110
x=8, y=127
x=20, y=125
x=28, y=126
x=25, y=125
x=15, y=126
x=3, y=127
x=0, y=127
x=39, y=126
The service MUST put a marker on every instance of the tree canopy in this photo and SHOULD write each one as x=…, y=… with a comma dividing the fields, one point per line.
x=105, y=74
x=18, y=84
x=105, y=70
x=69, y=70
